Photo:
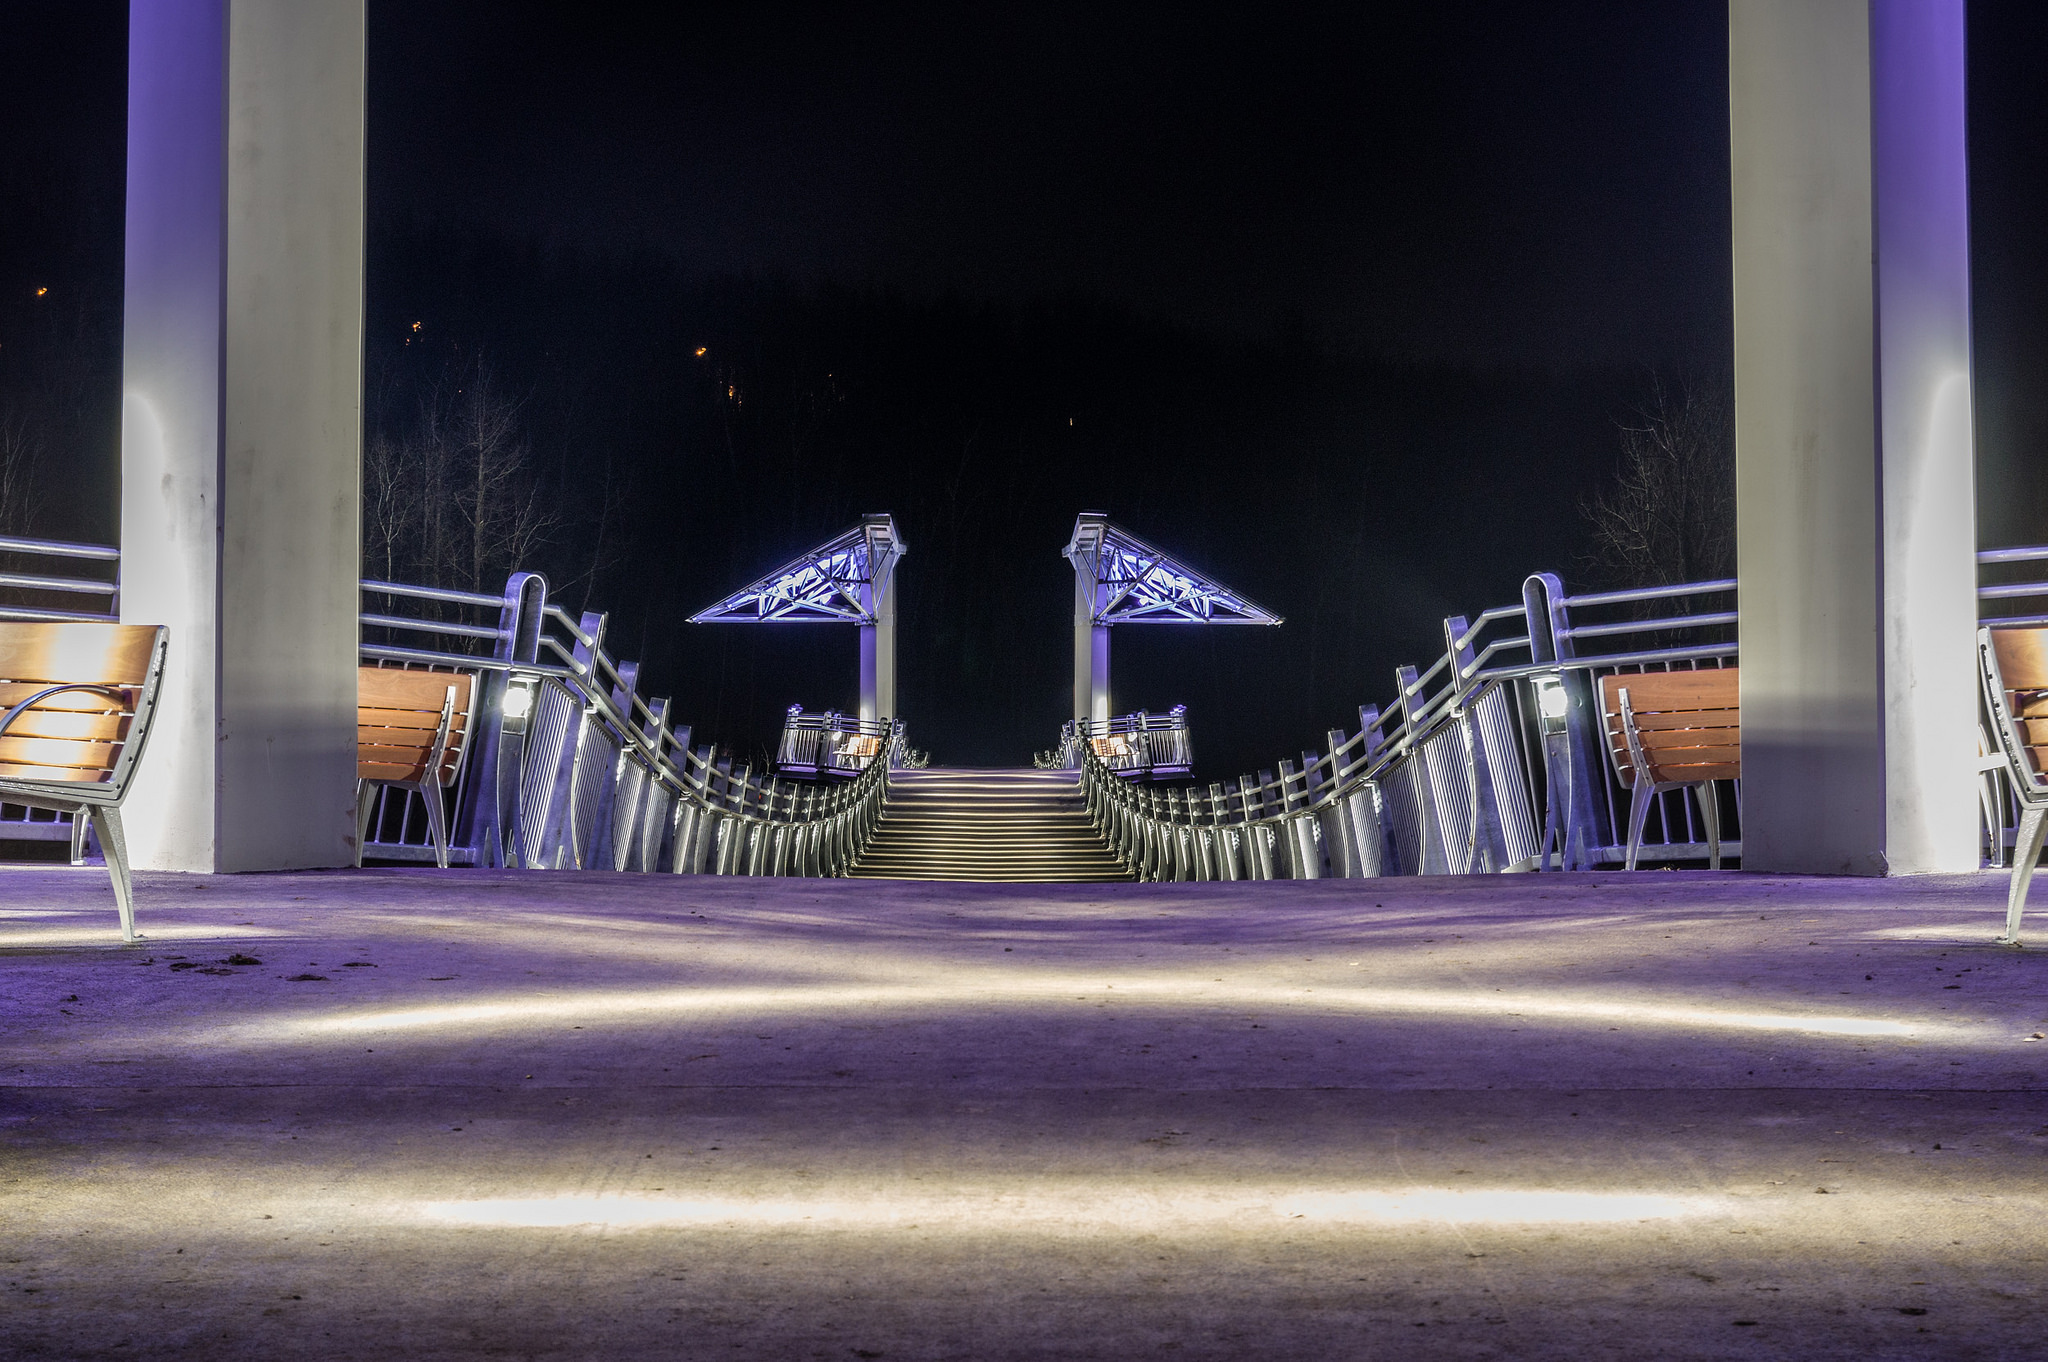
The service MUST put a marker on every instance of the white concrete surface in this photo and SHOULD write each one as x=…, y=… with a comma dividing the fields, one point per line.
x=1856, y=527
x=241, y=432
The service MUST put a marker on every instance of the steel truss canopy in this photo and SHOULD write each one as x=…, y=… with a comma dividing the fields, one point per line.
x=1134, y=583
x=839, y=582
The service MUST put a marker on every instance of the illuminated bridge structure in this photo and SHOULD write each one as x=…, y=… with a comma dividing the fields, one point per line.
x=1491, y=758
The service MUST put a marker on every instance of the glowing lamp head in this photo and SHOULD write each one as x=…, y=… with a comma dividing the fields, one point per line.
x=518, y=701
x=1552, y=702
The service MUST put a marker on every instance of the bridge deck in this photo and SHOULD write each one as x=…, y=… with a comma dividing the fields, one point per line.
x=636, y=1116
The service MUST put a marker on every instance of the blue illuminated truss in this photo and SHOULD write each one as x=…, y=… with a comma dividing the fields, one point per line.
x=1134, y=583
x=837, y=582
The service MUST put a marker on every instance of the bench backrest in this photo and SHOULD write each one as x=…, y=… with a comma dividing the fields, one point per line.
x=77, y=736
x=1689, y=724
x=2016, y=685
x=397, y=715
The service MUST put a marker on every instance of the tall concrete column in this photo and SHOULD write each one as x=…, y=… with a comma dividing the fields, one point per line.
x=885, y=550
x=1091, y=653
x=242, y=424
x=878, y=655
x=1855, y=467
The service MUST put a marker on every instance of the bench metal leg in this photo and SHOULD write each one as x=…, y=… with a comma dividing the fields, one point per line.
x=1638, y=814
x=2026, y=850
x=437, y=823
x=1994, y=824
x=80, y=821
x=106, y=821
x=366, y=796
x=1710, y=816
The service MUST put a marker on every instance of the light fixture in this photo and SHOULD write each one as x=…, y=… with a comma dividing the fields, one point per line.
x=1553, y=703
x=518, y=702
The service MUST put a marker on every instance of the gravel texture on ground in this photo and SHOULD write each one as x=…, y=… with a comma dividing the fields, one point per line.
x=419, y=1114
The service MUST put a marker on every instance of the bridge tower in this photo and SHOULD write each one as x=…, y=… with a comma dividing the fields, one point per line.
x=848, y=579
x=1120, y=579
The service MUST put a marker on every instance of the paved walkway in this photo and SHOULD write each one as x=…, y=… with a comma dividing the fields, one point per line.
x=457, y=1115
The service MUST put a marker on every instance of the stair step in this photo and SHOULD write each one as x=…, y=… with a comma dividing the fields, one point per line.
x=988, y=826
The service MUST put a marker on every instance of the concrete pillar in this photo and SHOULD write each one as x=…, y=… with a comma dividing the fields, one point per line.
x=885, y=649
x=878, y=658
x=878, y=654
x=885, y=549
x=1091, y=652
x=242, y=424
x=1856, y=530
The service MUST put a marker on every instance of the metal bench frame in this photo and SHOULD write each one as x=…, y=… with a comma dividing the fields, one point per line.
x=1644, y=788
x=100, y=802
x=2029, y=786
x=432, y=779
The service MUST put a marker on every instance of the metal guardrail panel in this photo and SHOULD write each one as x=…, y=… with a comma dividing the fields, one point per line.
x=1451, y=776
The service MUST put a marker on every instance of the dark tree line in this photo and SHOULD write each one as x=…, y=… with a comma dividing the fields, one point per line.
x=687, y=435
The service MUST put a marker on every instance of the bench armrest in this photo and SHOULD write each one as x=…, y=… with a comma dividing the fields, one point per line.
x=111, y=692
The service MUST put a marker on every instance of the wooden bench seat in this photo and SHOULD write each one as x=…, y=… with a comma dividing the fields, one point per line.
x=76, y=701
x=1670, y=731
x=2013, y=667
x=412, y=730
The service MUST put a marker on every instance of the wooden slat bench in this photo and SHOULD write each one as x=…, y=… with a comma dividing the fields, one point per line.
x=1670, y=731
x=2013, y=666
x=412, y=729
x=76, y=700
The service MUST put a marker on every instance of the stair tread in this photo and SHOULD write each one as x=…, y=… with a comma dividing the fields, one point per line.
x=986, y=825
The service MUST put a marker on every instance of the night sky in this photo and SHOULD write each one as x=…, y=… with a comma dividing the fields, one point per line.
x=1341, y=303
x=1491, y=183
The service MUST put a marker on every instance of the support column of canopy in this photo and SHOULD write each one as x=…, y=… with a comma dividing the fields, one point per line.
x=241, y=425
x=878, y=637
x=1091, y=651
x=1856, y=530
x=1120, y=579
x=849, y=579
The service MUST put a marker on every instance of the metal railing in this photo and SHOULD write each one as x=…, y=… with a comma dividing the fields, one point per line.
x=571, y=767
x=1494, y=757
x=1468, y=770
x=1136, y=746
x=568, y=764
x=39, y=581
x=834, y=744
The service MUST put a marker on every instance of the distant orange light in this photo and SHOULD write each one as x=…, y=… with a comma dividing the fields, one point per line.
x=415, y=326
x=41, y=291
x=700, y=352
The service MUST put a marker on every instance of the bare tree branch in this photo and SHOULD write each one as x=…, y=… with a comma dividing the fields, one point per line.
x=1669, y=514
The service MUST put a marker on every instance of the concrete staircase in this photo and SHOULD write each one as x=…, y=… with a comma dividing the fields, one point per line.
x=956, y=823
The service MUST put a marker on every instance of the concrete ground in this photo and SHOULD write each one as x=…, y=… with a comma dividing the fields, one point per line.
x=467, y=1114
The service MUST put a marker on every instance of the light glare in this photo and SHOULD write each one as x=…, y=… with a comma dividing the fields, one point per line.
x=982, y=993
x=1089, y=1208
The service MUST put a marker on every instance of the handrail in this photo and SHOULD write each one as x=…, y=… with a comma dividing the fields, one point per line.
x=1478, y=663
x=562, y=617
x=430, y=626
x=1648, y=626
x=57, y=548
x=1651, y=593
x=1484, y=618
x=36, y=614
x=78, y=585
x=431, y=593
